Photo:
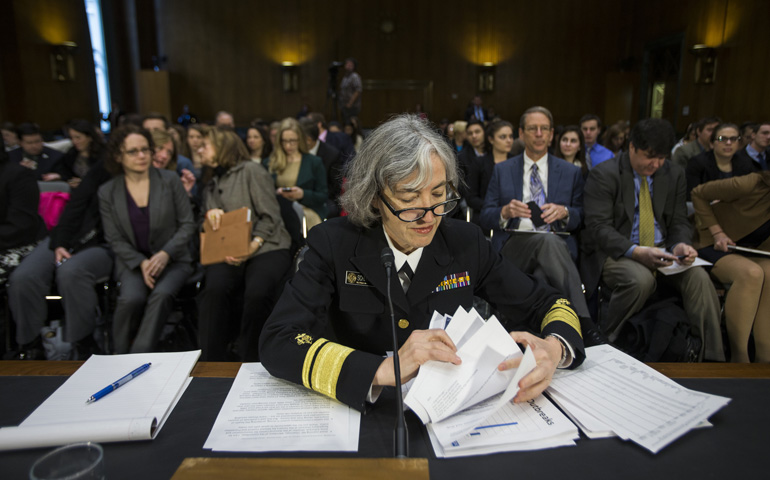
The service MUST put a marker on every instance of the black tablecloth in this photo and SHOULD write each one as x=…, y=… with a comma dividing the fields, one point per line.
x=733, y=448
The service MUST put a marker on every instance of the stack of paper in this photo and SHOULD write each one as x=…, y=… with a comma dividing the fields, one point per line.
x=467, y=407
x=135, y=411
x=613, y=393
x=265, y=414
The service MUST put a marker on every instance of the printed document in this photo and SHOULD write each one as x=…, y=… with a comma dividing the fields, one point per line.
x=612, y=391
x=135, y=411
x=265, y=414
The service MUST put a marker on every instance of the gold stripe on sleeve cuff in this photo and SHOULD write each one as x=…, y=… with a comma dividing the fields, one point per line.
x=560, y=311
x=322, y=366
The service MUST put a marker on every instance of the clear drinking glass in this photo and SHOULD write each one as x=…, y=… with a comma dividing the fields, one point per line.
x=81, y=461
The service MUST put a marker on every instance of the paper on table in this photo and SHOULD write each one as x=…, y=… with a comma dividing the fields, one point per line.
x=136, y=411
x=265, y=414
x=679, y=268
x=632, y=399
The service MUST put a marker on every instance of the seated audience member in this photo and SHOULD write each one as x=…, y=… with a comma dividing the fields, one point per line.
x=332, y=161
x=353, y=130
x=591, y=126
x=635, y=222
x=155, y=121
x=165, y=157
x=194, y=142
x=258, y=143
x=20, y=225
x=614, y=139
x=236, y=183
x=179, y=134
x=499, y=137
x=34, y=155
x=87, y=149
x=458, y=137
x=689, y=136
x=476, y=110
x=147, y=222
x=702, y=142
x=76, y=257
x=401, y=186
x=758, y=150
x=748, y=130
x=572, y=148
x=274, y=126
x=224, y=120
x=719, y=162
x=557, y=189
x=474, y=133
x=299, y=176
x=10, y=138
x=736, y=211
x=338, y=140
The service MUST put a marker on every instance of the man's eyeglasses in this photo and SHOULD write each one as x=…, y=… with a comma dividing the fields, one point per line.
x=136, y=151
x=414, y=214
x=537, y=128
x=725, y=139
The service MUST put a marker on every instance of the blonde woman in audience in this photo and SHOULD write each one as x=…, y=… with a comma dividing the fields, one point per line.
x=299, y=176
x=165, y=157
x=258, y=142
x=736, y=211
x=238, y=182
x=572, y=148
x=148, y=223
x=459, y=135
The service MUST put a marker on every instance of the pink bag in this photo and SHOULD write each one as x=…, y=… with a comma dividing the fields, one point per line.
x=51, y=206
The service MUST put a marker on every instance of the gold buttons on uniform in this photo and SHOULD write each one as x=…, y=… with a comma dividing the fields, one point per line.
x=403, y=323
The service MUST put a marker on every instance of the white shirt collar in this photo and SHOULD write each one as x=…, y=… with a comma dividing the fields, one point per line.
x=314, y=150
x=400, y=257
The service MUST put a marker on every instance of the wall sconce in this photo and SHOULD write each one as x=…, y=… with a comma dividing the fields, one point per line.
x=63, y=62
x=289, y=77
x=487, y=77
x=705, y=64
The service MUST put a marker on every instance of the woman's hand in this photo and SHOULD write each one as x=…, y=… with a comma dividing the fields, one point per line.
x=547, y=355
x=721, y=241
x=188, y=181
x=420, y=347
x=149, y=280
x=255, y=245
x=61, y=254
x=214, y=217
x=293, y=193
x=157, y=263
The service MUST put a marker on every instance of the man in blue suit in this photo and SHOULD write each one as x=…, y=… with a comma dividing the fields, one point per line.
x=556, y=186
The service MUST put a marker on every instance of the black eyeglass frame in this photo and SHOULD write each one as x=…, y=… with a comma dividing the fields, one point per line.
x=425, y=210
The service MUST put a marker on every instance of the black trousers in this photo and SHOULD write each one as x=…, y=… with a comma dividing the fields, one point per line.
x=259, y=278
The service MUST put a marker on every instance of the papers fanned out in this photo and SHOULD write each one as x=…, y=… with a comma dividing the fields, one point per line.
x=135, y=411
x=467, y=407
x=230, y=240
x=614, y=393
x=265, y=414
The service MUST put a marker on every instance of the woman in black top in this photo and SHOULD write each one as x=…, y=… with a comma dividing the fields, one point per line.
x=720, y=162
x=87, y=149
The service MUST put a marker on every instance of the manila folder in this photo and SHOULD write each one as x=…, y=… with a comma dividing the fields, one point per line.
x=230, y=240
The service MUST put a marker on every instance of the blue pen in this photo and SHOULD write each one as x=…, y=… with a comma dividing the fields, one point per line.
x=113, y=386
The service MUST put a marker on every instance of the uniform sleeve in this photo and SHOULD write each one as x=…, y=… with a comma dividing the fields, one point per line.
x=293, y=345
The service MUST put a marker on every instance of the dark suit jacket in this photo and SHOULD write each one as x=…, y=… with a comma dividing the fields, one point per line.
x=171, y=220
x=339, y=293
x=48, y=163
x=609, y=202
x=471, y=112
x=744, y=155
x=20, y=223
x=343, y=143
x=477, y=181
x=333, y=164
x=565, y=187
x=312, y=179
x=703, y=168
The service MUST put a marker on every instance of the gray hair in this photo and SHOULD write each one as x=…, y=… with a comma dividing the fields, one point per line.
x=543, y=110
x=390, y=154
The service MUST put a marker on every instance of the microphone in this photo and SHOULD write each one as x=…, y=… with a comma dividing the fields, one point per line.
x=400, y=440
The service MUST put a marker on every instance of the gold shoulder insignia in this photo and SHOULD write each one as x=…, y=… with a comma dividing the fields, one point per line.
x=562, y=301
x=303, y=338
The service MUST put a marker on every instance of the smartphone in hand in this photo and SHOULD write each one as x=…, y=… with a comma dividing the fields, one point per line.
x=537, y=214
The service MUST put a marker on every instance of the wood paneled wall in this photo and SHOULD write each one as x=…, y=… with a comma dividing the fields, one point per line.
x=574, y=57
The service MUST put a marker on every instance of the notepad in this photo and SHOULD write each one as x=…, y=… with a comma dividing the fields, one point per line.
x=135, y=411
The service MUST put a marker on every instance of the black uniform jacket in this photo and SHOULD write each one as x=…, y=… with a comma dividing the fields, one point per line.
x=338, y=300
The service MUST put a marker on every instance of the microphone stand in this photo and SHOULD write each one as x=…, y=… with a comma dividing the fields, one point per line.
x=400, y=439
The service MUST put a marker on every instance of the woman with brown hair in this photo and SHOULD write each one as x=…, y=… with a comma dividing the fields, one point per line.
x=238, y=182
x=736, y=211
x=499, y=137
x=299, y=175
x=572, y=148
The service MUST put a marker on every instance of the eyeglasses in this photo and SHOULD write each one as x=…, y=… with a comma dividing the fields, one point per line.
x=537, y=128
x=414, y=214
x=136, y=151
x=290, y=141
x=724, y=139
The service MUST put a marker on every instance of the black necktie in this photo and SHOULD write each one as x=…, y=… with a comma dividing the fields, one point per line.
x=405, y=274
